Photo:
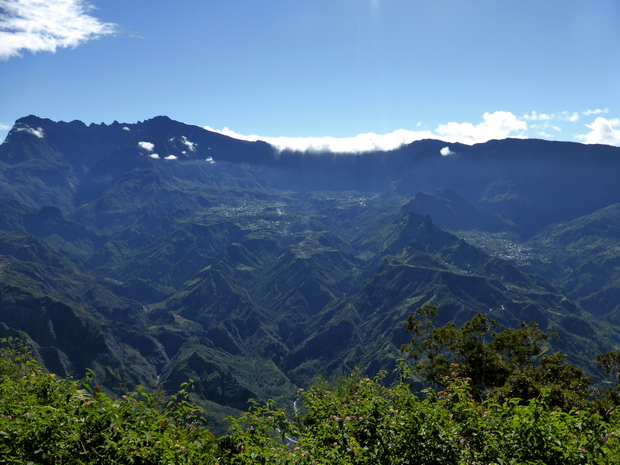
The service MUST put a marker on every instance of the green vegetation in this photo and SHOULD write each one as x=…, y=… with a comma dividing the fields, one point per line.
x=252, y=272
x=357, y=420
x=47, y=420
x=250, y=309
x=361, y=421
x=511, y=364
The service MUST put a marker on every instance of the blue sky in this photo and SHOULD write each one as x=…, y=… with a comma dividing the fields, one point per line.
x=342, y=74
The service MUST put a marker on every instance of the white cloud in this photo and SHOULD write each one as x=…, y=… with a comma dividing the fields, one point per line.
x=540, y=129
x=45, y=25
x=557, y=116
x=148, y=146
x=534, y=116
x=190, y=145
x=35, y=132
x=4, y=127
x=154, y=155
x=598, y=111
x=544, y=135
x=360, y=143
x=446, y=151
x=498, y=125
x=171, y=157
x=602, y=131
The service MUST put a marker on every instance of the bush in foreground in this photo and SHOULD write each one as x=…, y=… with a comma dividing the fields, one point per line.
x=359, y=420
x=46, y=420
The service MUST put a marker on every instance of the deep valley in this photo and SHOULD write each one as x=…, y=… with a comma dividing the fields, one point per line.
x=157, y=252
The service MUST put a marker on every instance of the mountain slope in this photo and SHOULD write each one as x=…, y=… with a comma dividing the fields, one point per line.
x=159, y=251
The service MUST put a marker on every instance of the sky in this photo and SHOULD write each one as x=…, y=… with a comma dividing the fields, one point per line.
x=345, y=75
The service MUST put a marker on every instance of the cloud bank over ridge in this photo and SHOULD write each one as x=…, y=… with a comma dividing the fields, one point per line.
x=496, y=125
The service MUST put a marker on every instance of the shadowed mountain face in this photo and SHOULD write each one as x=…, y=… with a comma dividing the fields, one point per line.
x=159, y=251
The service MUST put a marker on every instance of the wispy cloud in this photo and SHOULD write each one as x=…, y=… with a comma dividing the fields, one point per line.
x=602, y=131
x=535, y=116
x=541, y=128
x=190, y=145
x=557, y=116
x=38, y=132
x=4, y=127
x=598, y=111
x=46, y=25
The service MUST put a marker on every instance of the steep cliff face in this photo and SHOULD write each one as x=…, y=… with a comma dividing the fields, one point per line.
x=159, y=251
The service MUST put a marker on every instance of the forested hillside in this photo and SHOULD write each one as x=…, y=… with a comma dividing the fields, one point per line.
x=157, y=252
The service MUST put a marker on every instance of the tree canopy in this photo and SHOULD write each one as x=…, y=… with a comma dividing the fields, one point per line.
x=512, y=363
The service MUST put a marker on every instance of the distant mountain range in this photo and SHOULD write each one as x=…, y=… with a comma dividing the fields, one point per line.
x=158, y=251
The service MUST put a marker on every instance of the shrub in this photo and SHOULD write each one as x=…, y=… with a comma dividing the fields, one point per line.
x=48, y=420
x=360, y=421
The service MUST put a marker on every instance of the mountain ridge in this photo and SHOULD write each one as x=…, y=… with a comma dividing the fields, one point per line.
x=253, y=271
